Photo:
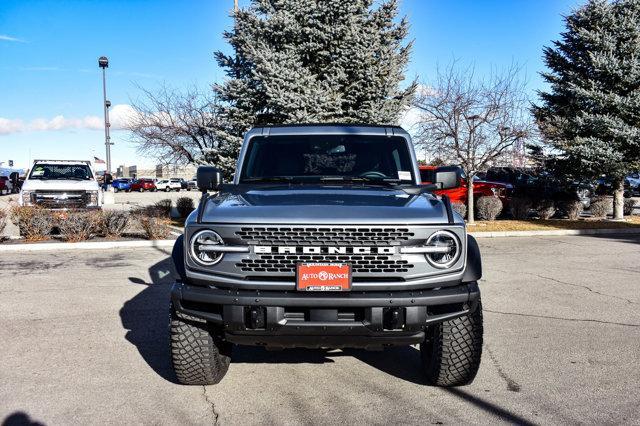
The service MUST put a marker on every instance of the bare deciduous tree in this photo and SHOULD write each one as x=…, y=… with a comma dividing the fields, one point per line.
x=180, y=127
x=471, y=121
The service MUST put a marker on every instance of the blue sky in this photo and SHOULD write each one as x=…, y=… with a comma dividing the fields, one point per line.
x=50, y=84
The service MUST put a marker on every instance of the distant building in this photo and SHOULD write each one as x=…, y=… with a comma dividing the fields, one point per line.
x=186, y=171
x=161, y=171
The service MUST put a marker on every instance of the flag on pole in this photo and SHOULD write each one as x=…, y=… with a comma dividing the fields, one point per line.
x=96, y=160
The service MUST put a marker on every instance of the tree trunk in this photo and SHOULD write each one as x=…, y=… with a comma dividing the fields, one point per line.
x=470, y=202
x=618, y=199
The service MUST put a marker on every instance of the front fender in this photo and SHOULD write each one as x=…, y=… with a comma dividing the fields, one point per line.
x=473, y=271
x=177, y=254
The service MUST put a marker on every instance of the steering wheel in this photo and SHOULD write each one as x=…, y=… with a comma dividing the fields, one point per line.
x=373, y=174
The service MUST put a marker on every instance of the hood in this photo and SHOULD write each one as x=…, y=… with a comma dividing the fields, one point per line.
x=60, y=185
x=323, y=205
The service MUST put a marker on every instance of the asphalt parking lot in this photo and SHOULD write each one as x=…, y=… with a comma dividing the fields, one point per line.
x=85, y=342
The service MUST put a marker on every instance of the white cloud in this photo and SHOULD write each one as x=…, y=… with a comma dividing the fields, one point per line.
x=119, y=116
x=410, y=119
x=8, y=126
x=4, y=37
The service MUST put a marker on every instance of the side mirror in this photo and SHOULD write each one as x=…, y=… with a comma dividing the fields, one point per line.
x=209, y=178
x=448, y=177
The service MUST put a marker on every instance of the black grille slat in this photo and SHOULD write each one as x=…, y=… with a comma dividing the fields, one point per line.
x=359, y=264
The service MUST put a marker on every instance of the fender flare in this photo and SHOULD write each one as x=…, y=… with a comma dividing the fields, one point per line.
x=177, y=254
x=473, y=271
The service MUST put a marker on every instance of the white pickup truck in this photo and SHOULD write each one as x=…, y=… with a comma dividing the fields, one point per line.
x=61, y=184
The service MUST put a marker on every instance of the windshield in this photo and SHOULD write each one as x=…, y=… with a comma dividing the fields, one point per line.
x=45, y=171
x=313, y=158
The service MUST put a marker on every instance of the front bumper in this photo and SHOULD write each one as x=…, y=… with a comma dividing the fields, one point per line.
x=353, y=319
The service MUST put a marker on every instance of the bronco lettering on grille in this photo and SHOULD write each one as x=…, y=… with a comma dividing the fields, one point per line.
x=323, y=250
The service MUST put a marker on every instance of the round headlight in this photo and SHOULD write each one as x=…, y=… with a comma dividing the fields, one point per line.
x=201, y=244
x=450, y=253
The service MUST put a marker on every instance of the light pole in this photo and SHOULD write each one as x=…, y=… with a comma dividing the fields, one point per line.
x=103, y=63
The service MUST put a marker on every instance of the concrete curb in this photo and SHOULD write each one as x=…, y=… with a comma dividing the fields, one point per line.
x=87, y=245
x=554, y=232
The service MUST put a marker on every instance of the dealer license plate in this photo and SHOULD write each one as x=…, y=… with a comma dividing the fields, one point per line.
x=323, y=277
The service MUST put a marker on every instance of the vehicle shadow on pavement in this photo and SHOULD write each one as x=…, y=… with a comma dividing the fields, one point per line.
x=20, y=418
x=402, y=362
x=146, y=318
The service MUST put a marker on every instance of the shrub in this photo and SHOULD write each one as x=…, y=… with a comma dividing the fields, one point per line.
x=545, y=208
x=488, y=207
x=184, y=205
x=155, y=228
x=460, y=208
x=3, y=221
x=163, y=207
x=34, y=223
x=78, y=225
x=153, y=221
x=112, y=223
x=601, y=206
x=520, y=207
x=571, y=208
x=627, y=210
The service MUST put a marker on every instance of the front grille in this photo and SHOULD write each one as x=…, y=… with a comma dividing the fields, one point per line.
x=60, y=200
x=360, y=264
x=324, y=236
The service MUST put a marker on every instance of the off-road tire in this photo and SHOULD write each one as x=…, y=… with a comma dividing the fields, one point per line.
x=199, y=356
x=451, y=351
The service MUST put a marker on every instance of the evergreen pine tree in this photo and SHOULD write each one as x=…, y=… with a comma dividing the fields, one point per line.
x=297, y=61
x=591, y=113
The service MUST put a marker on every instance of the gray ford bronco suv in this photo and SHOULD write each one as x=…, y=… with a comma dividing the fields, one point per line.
x=326, y=238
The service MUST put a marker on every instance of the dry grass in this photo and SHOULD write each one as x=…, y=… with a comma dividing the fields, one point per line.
x=552, y=224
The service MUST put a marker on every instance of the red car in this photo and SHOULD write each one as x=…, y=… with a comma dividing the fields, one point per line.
x=142, y=185
x=4, y=185
x=459, y=194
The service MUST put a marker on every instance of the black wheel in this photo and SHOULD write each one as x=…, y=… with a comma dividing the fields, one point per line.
x=167, y=189
x=141, y=189
x=199, y=355
x=451, y=351
x=115, y=190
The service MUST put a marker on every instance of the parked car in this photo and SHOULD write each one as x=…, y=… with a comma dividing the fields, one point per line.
x=169, y=185
x=604, y=185
x=633, y=181
x=6, y=187
x=121, y=184
x=183, y=183
x=542, y=183
x=61, y=184
x=192, y=184
x=142, y=185
x=459, y=194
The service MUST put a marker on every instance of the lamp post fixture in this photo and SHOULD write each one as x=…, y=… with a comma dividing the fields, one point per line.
x=103, y=63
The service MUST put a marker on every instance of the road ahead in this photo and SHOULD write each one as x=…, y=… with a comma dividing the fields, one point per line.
x=85, y=341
